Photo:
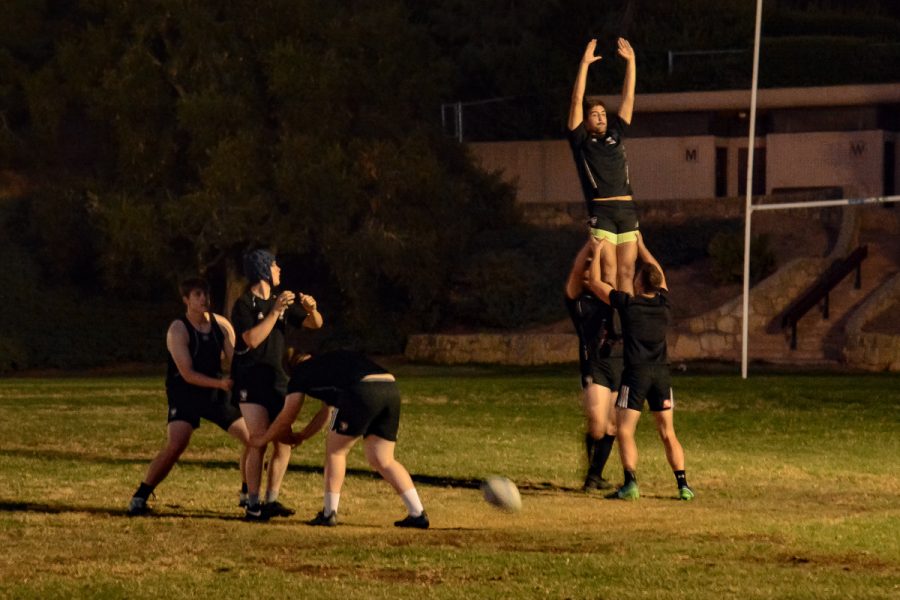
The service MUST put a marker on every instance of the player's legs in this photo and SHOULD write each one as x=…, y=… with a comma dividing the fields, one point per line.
x=281, y=457
x=239, y=431
x=626, y=255
x=611, y=419
x=178, y=436
x=597, y=401
x=337, y=447
x=609, y=267
x=380, y=454
x=627, y=420
x=665, y=426
x=256, y=418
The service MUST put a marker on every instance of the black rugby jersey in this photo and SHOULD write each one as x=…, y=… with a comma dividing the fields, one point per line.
x=205, y=350
x=594, y=321
x=645, y=322
x=600, y=159
x=248, y=311
x=327, y=376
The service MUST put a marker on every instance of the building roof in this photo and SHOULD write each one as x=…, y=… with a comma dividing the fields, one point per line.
x=799, y=97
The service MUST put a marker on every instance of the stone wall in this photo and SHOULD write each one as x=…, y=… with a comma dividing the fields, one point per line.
x=717, y=334
x=493, y=348
x=870, y=350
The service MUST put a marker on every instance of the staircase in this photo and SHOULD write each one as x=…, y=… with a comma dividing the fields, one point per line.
x=820, y=341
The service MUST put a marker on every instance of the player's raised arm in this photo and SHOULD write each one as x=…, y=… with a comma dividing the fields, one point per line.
x=575, y=282
x=576, y=110
x=600, y=288
x=645, y=255
x=313, y=318
x=627, y=107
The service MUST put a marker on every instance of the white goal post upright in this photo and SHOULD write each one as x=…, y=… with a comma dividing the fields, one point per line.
x=748, y=208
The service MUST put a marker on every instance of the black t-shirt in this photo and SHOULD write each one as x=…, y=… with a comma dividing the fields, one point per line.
x=248, y=311
x=205, y=350
x=601, y=161
x=594, y=320
x=327, y=376
x=644, y=325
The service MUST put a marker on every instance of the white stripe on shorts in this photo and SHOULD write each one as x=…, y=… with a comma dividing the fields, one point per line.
x=622, y=400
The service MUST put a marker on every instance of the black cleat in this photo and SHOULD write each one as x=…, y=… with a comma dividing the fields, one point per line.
x=137, y=507
x=255, y=514
x=595, y=483
x=277, y=509
x=420, y=522
x=320, y=520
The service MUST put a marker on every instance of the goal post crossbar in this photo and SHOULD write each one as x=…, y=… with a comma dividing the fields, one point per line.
x=826, y=203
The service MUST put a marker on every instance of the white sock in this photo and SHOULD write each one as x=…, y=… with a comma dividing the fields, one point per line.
x=271, y=496
x=413, y=505
x=332, y=500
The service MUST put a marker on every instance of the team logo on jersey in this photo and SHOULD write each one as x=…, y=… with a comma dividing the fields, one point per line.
x=242, y=395
x=260, y=316
x=611, y=141
x=343, y=425
x=172, y=412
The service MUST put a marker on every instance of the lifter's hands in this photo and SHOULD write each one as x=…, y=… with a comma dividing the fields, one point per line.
x=624, y=49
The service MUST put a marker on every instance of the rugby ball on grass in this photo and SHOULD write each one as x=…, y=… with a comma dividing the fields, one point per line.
x=502, y=493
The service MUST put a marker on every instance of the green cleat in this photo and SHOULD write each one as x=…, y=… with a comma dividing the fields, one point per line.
x=685, y=493
x=628, y=491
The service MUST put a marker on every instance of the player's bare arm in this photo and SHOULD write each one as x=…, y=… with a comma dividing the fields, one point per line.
x=228, y=330
x=627, y=107
x=315, y=425
x=576, y=110
x=256, y=335
x=313, y=318
x=600, y=288
x=177, y=342
x=645, y=255
x=576, y=280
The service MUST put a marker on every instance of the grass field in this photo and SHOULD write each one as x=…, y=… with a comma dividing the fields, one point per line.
x=797, y=480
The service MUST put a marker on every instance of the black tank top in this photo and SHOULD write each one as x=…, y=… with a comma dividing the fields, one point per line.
x=205, y=350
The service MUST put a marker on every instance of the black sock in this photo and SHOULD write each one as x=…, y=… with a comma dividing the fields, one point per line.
x=244, y=487
x=589, y=444
x=630, y=477
x=602, y=450
x=681, y=478
x=144, y=491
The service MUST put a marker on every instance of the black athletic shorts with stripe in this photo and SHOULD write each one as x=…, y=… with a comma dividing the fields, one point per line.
x=650, y=383
x=191, y=403
x=369, y=408
x=605, y=372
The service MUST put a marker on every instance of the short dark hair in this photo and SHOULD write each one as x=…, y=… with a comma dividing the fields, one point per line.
x=589, y=104
x=193, y=283
x=651, y=278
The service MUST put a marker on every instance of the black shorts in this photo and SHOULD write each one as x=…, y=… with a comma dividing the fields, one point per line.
x=260, y=385
x=605, y=372
x=369, y=408
x=646, y=382
x=193, y=403
x=615, y=221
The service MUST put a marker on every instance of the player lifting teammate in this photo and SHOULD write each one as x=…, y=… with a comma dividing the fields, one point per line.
x=600, y=360
x=597, y=144
x=366, y=403
x=645, y=319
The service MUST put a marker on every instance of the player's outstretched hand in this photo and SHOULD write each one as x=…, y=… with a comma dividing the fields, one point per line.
x=589, y=53
x=625, y=50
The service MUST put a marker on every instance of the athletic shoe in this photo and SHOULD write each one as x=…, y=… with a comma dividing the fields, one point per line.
x=593, y=483
x=420, y=522
x=255, y=514
x=277, y=509
x=628, y=491
x=137, y=507
x=320, y=520
x=243, y=499
x=685, y=493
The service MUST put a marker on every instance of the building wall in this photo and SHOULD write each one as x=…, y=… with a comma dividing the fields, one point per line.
x=852, y=160
x=684, y=167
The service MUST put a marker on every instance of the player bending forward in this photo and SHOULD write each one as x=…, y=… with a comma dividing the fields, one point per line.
x=645, y=319
x=365, y=403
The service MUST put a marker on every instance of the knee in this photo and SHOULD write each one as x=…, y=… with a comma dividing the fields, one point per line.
x=380, y=463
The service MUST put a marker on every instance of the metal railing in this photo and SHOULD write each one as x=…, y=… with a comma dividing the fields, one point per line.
x=819, y=291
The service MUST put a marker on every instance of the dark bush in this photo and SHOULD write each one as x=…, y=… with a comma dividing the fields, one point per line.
x=727, y=253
